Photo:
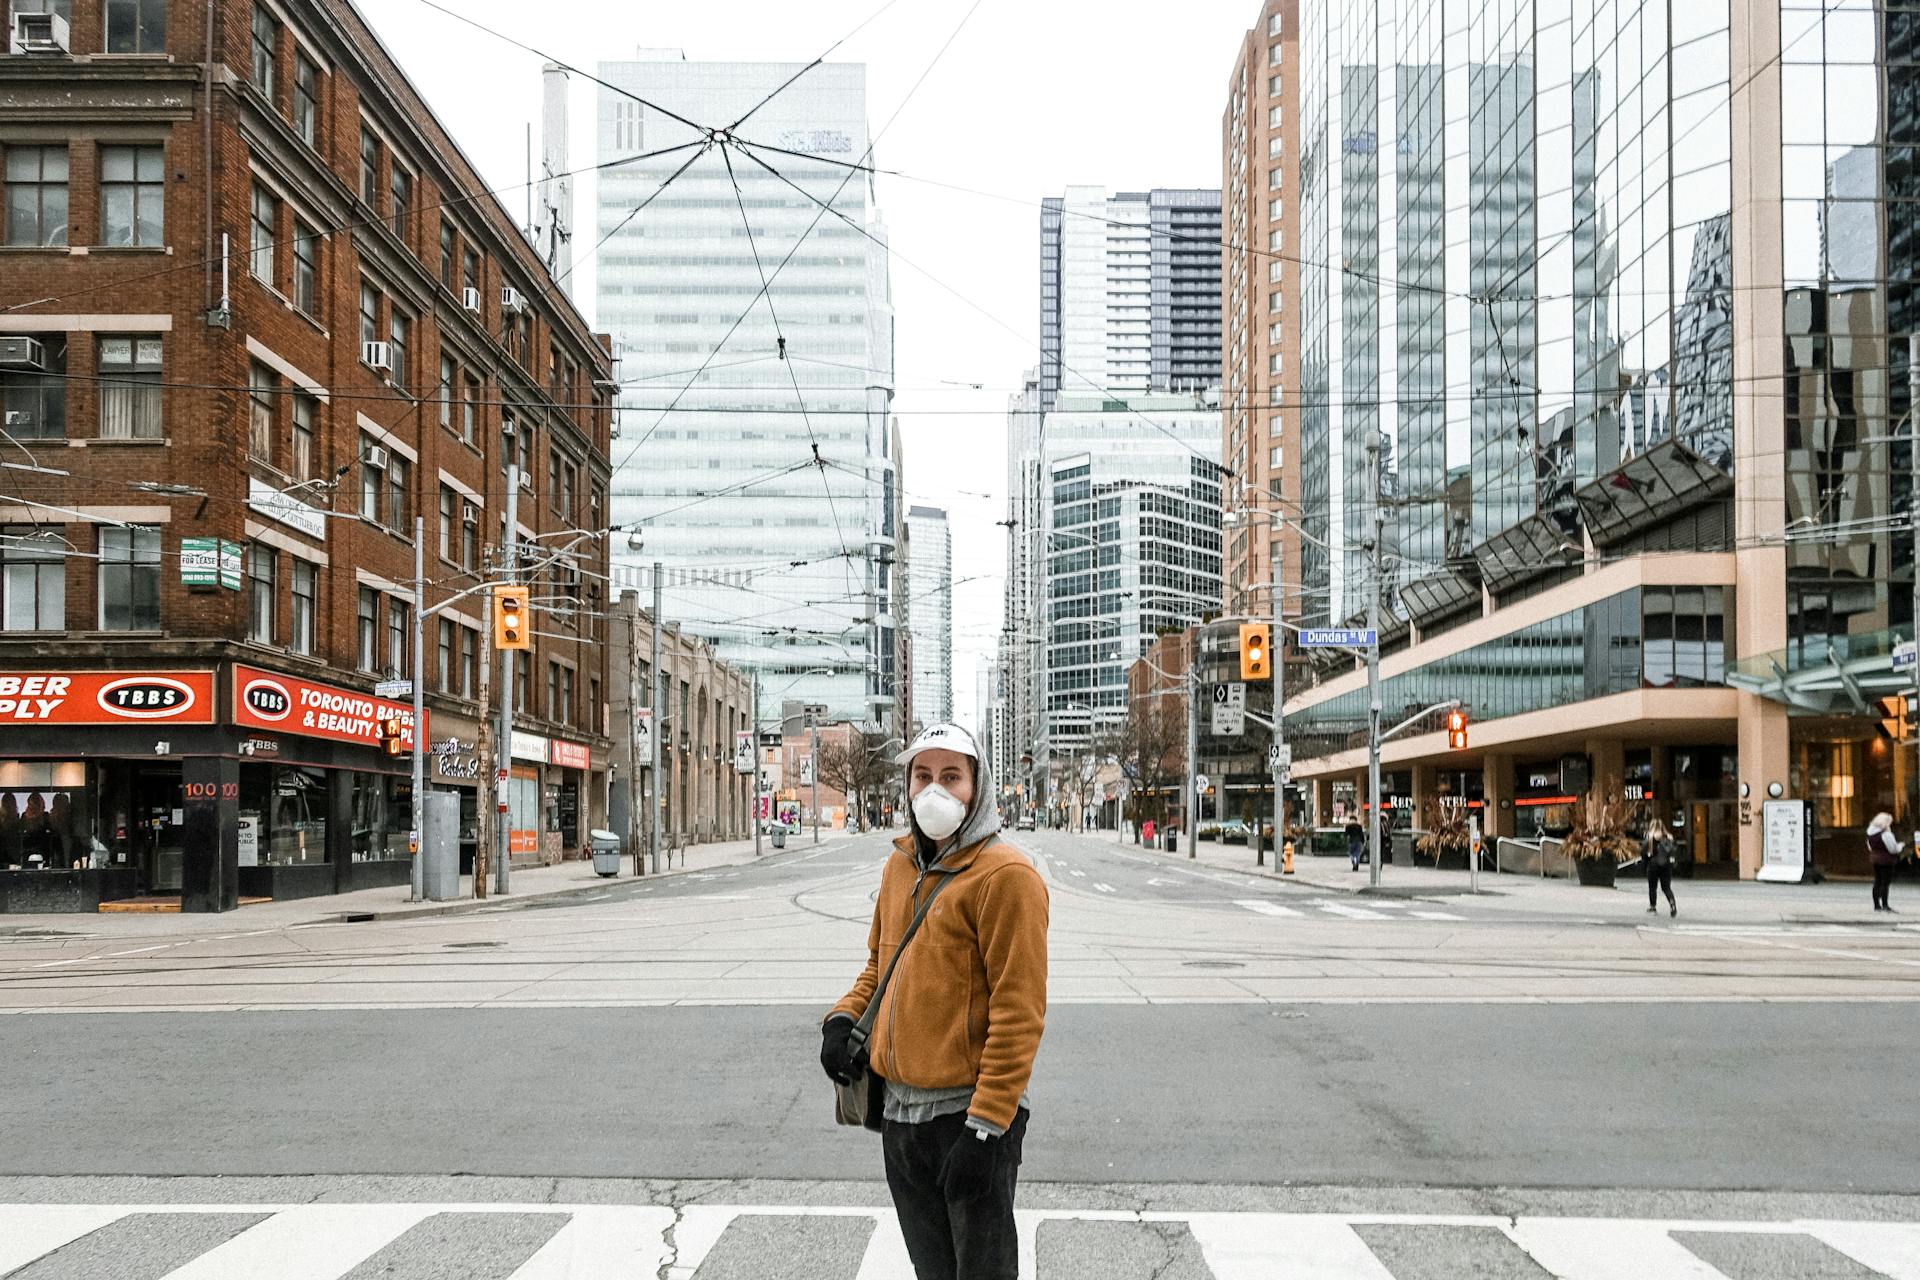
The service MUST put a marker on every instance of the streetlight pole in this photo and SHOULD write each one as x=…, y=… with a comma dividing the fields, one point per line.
x=1192, y=807
x=1282, y=767
x=754, y=808
x=813, y=763
x=655, y=792
x=509, y=569
x=1373, y=654
x=418, y=836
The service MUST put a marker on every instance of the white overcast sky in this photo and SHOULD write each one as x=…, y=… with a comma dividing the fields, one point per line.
x=1033, y=95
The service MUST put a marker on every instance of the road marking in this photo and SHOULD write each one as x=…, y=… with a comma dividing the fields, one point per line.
x=1602, y=1249
x=312, y=1242
x=28, y=1231
x=1075, y=871
x=1105, y=888
x=604, y=1243
x=1157, y=883
x=1434, y=915
x=1266, y=908
x=1352, y=913
x=1891, y=1249
x=1257, y=1246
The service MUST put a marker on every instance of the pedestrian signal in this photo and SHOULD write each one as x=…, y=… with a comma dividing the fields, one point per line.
x=1456, y=730
x=1896, y=717
x=511, y=629
x=1256, y=651
x=392, y=735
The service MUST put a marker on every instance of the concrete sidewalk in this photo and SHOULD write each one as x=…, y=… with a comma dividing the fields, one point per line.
x=1718, y=902
x=528, y=884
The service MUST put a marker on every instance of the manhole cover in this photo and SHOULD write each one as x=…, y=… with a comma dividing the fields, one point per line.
x=471, y=946
x=1214, y=964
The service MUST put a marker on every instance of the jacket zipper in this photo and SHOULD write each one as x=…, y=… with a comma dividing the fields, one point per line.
x=893, y=996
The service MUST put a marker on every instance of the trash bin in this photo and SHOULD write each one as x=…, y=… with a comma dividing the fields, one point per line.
x=1173, y=841
x=780, y=836
x=606, y=852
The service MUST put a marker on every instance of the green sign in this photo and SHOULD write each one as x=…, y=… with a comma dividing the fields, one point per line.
x=210, y=562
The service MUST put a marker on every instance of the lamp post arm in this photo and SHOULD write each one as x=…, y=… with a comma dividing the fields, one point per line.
x=1449, y=705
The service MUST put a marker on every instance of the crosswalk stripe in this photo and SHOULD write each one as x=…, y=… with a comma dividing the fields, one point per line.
x=1352, y=913
x=1266, y=908
x=1434, y=915
x=599, y=1242
x=311, y=1242
x=29, y=1231
x=1105, y=888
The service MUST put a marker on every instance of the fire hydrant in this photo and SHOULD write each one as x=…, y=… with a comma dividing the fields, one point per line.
x=1286, y=867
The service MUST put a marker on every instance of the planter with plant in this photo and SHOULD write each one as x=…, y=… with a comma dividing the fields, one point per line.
x=1599, y=842
x=1447, y=839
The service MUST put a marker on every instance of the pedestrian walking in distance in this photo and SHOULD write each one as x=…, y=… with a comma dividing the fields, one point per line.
x=1356, y=842
x=1658, y=859
x=960, y=1019
x=1883, y=851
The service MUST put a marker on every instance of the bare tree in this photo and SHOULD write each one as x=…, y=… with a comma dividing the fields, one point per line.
x=1150, y=744
x=860, y=768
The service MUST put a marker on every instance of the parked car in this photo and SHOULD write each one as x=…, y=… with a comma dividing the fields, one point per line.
x=1025, y=822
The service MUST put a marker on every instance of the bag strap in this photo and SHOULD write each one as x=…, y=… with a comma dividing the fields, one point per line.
x=864, y=1027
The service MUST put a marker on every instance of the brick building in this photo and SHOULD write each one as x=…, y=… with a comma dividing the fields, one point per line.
x=259, y=320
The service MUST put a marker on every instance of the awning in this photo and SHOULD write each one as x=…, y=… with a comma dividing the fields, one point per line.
x=1666, y=481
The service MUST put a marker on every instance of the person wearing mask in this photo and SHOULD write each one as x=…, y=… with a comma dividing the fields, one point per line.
x=961, y=1018
x=1883, y=851
x=1657, y=857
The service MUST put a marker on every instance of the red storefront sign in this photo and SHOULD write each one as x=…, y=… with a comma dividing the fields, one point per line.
x=568, y=755
x=268, y=700
x=106, y=697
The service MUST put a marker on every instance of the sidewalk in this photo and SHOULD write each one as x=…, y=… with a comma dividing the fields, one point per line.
x=528, y=884
x=1719, y=902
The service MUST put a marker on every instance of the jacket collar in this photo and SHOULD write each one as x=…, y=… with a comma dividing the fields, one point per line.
x=951, y=860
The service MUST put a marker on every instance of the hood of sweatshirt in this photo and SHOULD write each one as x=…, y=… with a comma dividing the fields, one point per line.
x=981, y=822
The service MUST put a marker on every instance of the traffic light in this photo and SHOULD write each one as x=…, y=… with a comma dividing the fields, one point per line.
x=511, y=624
x=392, y=731
x=1896, y=717
x=1256, y=651
x=1456, y=730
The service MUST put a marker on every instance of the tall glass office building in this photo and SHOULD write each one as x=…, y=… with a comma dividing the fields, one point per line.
x=786, y=564
x=1622, y=290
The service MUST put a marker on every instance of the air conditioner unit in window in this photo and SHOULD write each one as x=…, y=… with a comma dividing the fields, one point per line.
x=375, y=457
x=512, y=299
x=377, y=355
x=469, y=514
x=470, y=299
x=40, y=33
x=18, y=418
x=19, y=352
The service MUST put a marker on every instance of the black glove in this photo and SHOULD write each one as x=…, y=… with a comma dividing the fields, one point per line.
x=971, y=1166
x=836, y=1049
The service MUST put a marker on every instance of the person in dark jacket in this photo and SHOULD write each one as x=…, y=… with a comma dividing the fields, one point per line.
x=1883, y=851
x=1657, y=857
x=1356, y=842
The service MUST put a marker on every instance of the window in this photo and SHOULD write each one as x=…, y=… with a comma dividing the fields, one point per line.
x=300, y=455
x=449, y=520
x=446, y=253
x=366, y=629
x=399, y=330
x=469, y=644
x=130, y=388
x=130, y=578
x=469, y=537
x=260, y=389
x=369, y=167
x=37, y=196
x=132, y=196
x=306, y=586
x=446, y=390
x=470, y=269
x=469, y=408
x=566, y=695
x=266, y=216
x=261, y=562
x=306, y=99
x=401, y=191
x=33, y=579
x=369, y=314
x=596, y=723
x=35, y=401
x=371, y=479
x=399, y=646
x=266, y=43
x=306, y=267
x=553, y=691
x=136, y=26
x=443, y=669
x=399, y=510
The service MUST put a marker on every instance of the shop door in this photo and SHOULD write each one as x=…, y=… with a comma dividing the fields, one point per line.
x=159, y=835
x=1710, y=838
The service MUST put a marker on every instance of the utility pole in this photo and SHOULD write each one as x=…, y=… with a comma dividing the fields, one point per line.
x=1373, y=653
x=655, y=793
x=417, y=837
x=753, y=809
x=1192, y=807
x=509, y=569
x=1282, y=766
x=813, y=761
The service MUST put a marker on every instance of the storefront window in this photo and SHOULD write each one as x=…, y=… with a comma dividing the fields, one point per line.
x=44, y=815
x=283, y=815
x=382, y=812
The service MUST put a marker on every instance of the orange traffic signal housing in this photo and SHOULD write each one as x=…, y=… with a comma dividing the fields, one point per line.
x=512, y=627
x=393, y=735
x=1256, y=651
x=1456, y=730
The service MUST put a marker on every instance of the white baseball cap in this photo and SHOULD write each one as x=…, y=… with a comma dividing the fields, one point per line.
x=940, y=737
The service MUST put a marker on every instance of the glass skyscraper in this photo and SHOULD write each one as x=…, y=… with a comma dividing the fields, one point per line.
x=1622, y=290
x=756, y=340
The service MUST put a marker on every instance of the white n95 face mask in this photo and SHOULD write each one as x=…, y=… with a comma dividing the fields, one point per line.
x=938, y=812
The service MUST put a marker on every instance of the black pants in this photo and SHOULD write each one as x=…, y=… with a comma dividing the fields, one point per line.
x=1882, y=881
x=1659, y=878
x=958, y=1239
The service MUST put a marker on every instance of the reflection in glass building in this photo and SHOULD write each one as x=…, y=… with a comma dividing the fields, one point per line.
x=1526, y=281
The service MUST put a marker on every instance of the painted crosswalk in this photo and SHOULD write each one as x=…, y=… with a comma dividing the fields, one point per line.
x=704, y=1242
x=1380, y=910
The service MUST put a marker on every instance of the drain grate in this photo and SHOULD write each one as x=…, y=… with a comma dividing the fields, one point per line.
x=1213, y=964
